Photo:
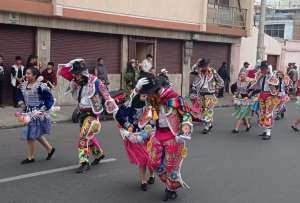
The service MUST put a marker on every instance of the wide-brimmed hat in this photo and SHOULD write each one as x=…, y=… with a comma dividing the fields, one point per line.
x=152, y=87
x=264, y=65
x=203, y=63
x=155, y=83
x=279, y=72
x=79, y=68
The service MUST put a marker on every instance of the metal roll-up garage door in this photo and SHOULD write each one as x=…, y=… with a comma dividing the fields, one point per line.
x=216, y=52
x=14, y=41
x=169, y=55
x=67, y=45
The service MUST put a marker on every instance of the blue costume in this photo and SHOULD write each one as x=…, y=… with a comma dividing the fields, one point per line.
x=38, y=100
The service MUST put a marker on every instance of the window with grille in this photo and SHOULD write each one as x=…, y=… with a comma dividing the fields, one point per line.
x=276, y=30
x=219, y=2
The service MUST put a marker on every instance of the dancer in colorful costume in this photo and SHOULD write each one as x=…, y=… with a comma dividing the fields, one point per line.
x=268, y=98
x=35, y=99
x=202, y=93
x=243, y=102
x=174, y=126
x=137, y=122
x=89, y=92
x=283, y=87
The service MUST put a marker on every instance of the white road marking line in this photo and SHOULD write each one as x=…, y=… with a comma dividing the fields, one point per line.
x=30, y=175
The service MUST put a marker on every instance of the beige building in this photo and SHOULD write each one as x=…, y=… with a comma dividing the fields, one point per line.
x=176, y=33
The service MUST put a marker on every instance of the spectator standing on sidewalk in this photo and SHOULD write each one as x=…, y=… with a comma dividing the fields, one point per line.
x=147, y=63
x=245, y=68
x=32, y=61
x=2, y=69
x=101, y=71
x=223, y=72
x=132, y=74
x=50, y=76
x=17, y=76
x=290, y=66
x=293, y=74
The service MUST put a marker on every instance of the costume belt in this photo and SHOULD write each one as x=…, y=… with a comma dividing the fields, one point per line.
x=165, y=129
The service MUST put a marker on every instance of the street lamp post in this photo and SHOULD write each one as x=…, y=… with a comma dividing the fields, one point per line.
x=261, y=32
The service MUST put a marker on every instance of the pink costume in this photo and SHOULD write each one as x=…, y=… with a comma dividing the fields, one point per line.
x=137, y=126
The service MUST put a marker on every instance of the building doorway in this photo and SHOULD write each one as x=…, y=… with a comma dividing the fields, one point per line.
x=140, y=47
x=272, y=60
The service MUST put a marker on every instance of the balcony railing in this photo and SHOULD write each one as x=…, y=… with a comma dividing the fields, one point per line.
x=43, y=1
x=228, y=16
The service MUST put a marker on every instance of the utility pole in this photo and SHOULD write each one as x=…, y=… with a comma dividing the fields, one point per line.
x=261, y=32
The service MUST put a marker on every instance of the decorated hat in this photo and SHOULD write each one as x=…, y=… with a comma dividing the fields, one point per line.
x=203, y=63
x=152, y=86
x=155, y=84
x=79, y=68
x=162, y=81
x=280, y=72
x=264, y=65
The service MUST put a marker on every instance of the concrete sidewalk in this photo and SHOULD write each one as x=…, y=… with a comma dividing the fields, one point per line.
x=8, y=120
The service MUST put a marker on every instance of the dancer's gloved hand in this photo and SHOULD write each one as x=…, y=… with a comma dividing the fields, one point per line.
x=179, y=139
x=140, y=83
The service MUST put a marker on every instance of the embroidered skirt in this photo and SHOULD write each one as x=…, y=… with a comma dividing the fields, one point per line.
x=36, y=128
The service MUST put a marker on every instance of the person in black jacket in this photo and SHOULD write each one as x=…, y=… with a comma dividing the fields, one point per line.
x=17, y=76
x=132, y=74
x=223, y=72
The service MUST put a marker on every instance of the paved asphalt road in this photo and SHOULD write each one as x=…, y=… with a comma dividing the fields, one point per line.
x=221, y=168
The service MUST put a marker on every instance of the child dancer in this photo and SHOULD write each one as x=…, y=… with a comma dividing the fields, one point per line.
x=36, y=100
x=242, y=102
x=284, y=84
x=137, y=121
